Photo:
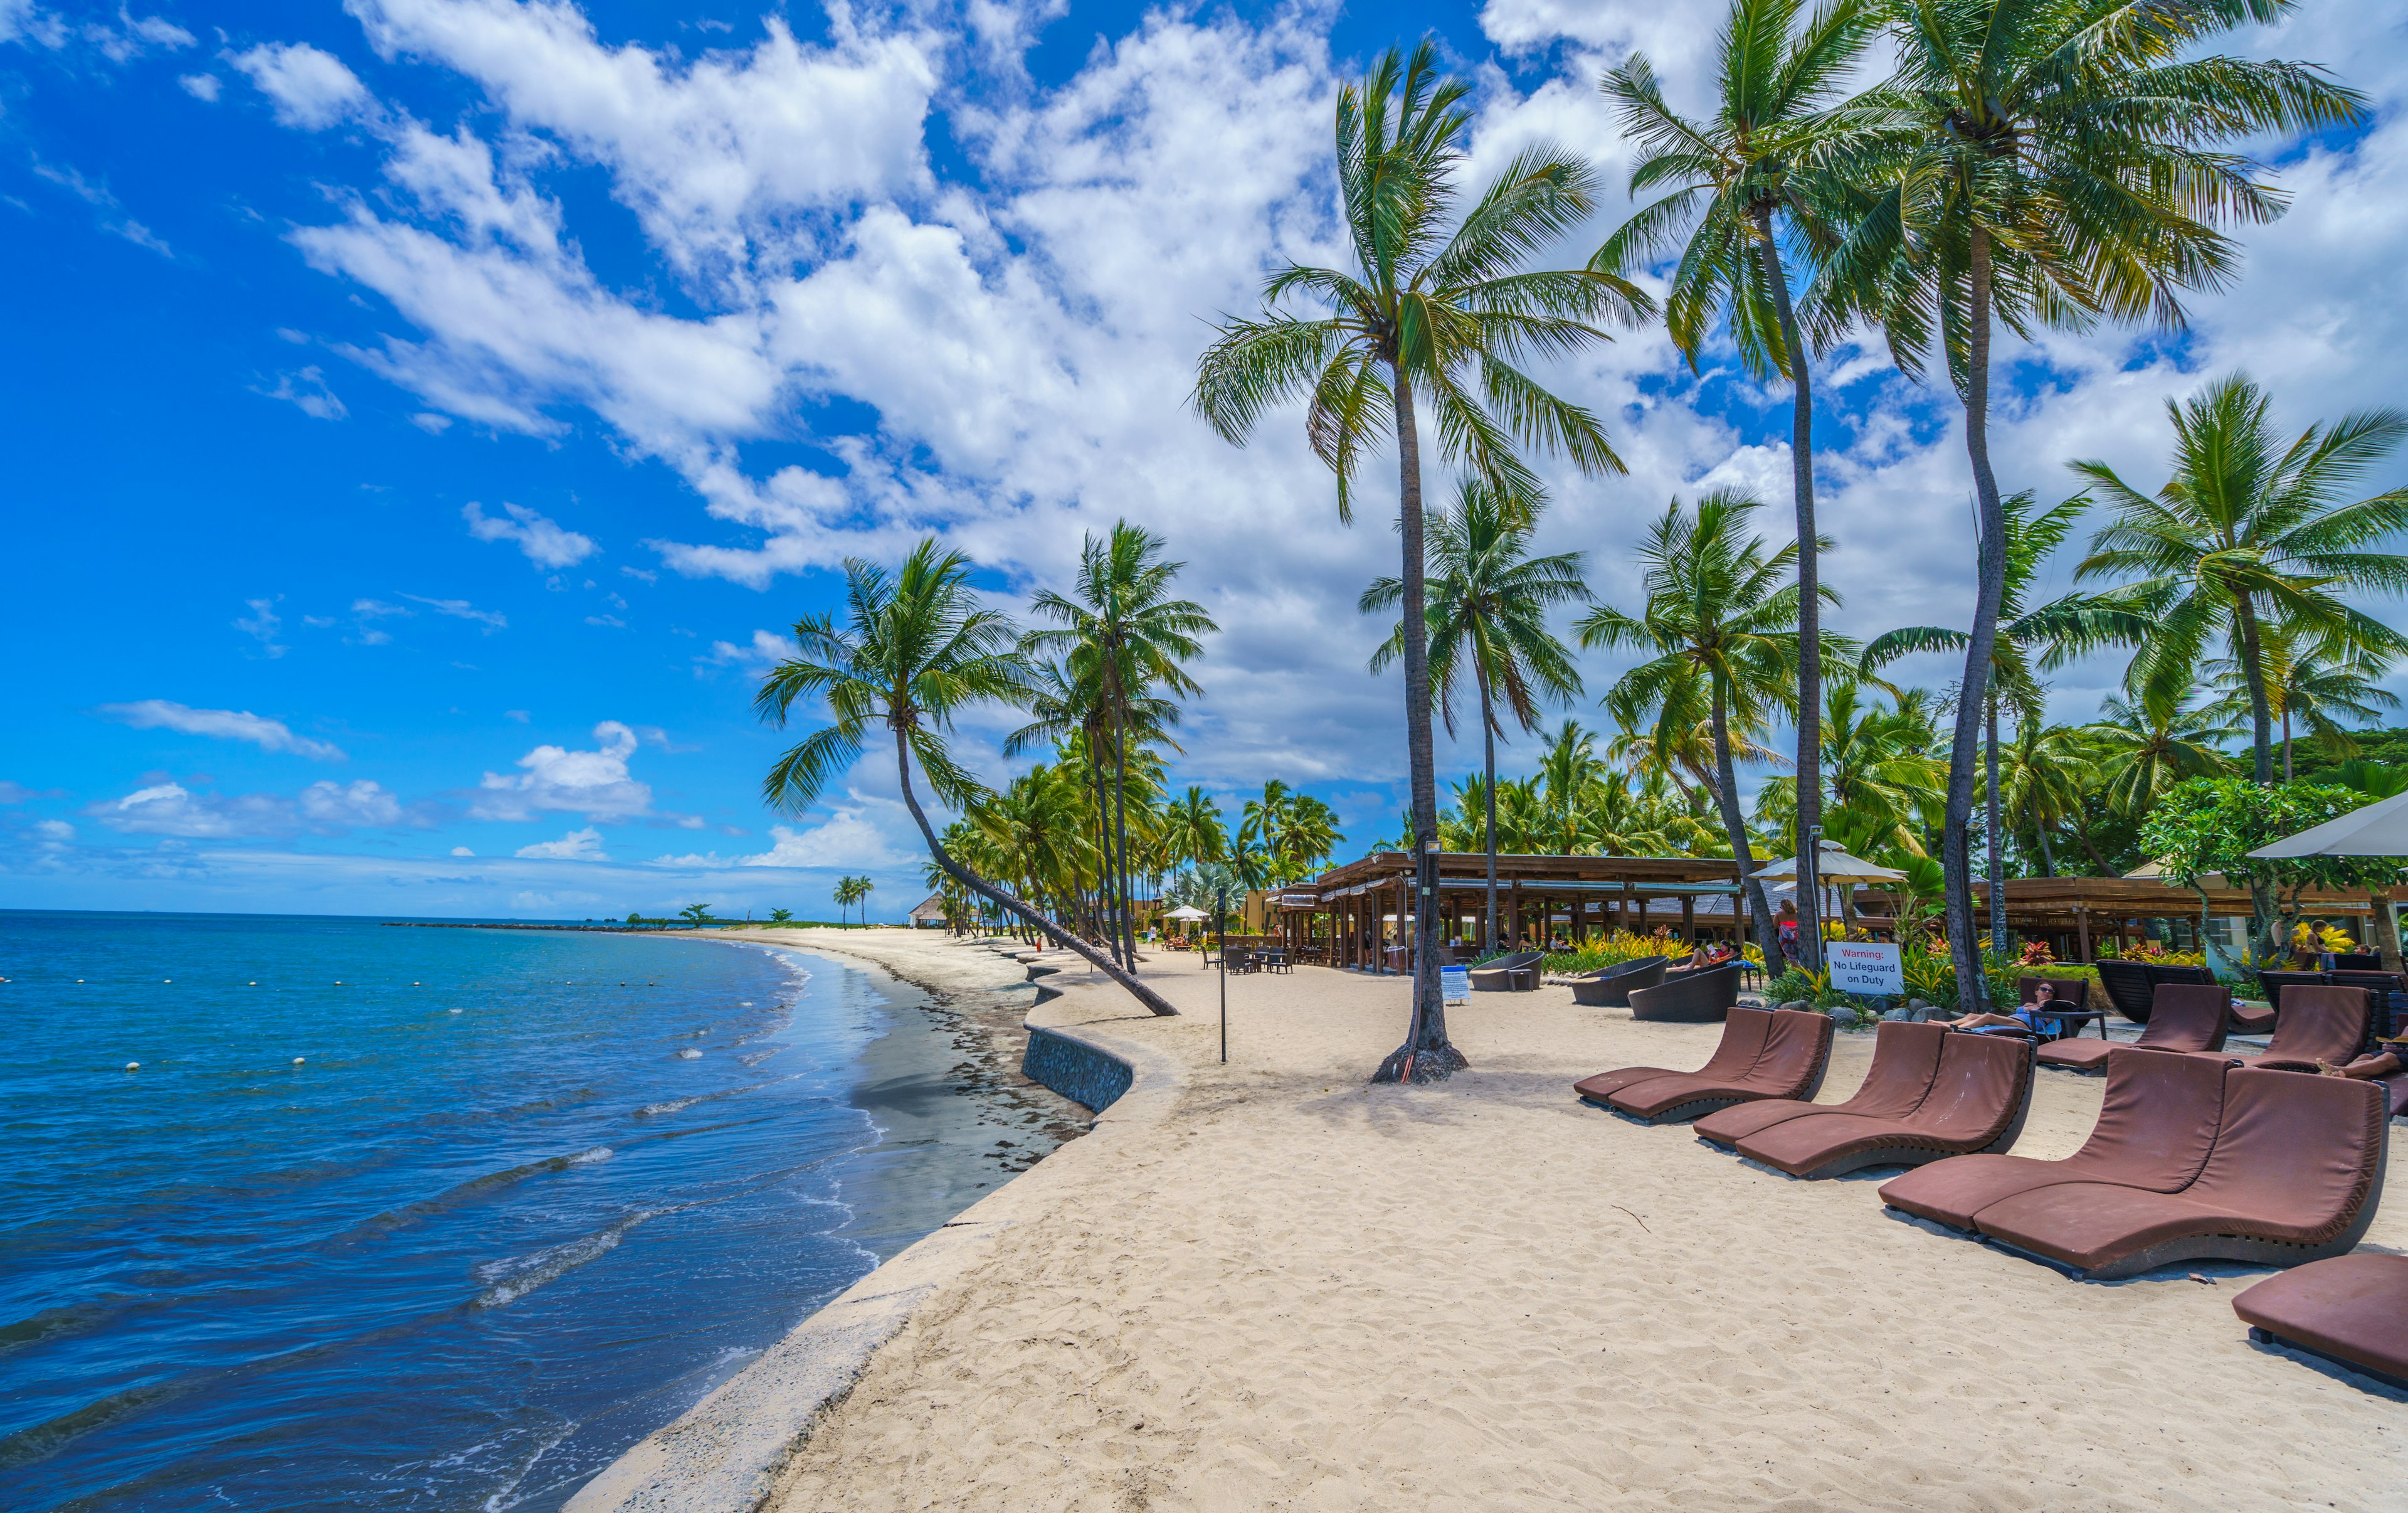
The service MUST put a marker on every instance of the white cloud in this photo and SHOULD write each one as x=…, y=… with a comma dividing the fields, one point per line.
x=170, y=809
x=460, y=609
x=310, y=89
x=18, y=18
x=765, y=650
x=594, y=783
x=545, y=544
x=55, y=829
x=462, y=851
x=222, y=725
x=846, y=841
x=329, y=804
x=577, y=846
x=202, y=86
x=308, y=390
x=262, y=626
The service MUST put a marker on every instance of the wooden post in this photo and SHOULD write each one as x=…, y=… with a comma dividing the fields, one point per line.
x=2082, y=930
x=1689, y=917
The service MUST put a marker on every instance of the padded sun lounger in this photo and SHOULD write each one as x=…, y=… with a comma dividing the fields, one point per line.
x=2294, y=1176
x=1515, y=973
x=1778, y=1053
x=2351, y=1309
x=1611, y=989
x=2131, y=986
x=1905, y=1057
x=1701, y=996
x=2317, y=1024
x=1978, y=1101
x=2188, y=1017
x=2155, y=1129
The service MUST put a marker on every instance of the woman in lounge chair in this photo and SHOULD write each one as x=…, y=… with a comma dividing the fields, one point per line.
x=2026, y=1019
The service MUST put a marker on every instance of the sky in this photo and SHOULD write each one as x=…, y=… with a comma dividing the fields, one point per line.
x=425, y=418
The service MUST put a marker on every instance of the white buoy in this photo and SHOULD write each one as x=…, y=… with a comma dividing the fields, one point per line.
x=133, y=1066
x=299, y=1060
x=455, y=1010
x=166, y=979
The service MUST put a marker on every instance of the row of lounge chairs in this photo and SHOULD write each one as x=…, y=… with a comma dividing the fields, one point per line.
x=2196, y=1153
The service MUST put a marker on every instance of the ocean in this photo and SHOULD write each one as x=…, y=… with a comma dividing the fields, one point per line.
x=442, y=1218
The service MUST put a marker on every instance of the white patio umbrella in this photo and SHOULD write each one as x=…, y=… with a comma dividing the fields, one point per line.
x=1832, y=865
x=2379, y=829
x=1187, y=910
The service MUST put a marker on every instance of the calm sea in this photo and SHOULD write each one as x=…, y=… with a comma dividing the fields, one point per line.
x=429, y=1219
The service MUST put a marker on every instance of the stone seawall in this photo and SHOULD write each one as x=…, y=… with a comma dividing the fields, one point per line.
x=1079, y=1071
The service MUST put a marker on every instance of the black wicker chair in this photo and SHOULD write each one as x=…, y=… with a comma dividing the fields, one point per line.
x=1704, y=996
x=1515, y=973
x=1609, y=987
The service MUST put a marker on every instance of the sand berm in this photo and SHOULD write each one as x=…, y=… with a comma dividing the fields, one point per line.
x=1273, y=1286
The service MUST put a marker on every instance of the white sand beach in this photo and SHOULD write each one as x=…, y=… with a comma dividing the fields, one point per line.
x=1271, y=1286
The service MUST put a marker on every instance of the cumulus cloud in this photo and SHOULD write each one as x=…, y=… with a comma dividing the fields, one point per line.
x=577, y=846
x=594, y=783
x=171, y=808
x=205, y=87
x=309, y=88
x=221, y=725
x=545, y=544
x=326, y=805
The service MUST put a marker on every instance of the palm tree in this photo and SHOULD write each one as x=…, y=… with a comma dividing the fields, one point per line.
x=2317, y=684
x=2248, y=531
x=1486, y=614
x=1743, y=178
x=2041, y=163
x=2047, y=770
x=1307, y=836
x=696, y=914
x=1194, y=832
x=780, y=917
x=1261, y=821
x=842, y=896
x=1434, y=317
x=2145, y=748
x=1723, y=612
x=916, y=648
x=1138, y=637
x=2026, y=640
x=862, y=888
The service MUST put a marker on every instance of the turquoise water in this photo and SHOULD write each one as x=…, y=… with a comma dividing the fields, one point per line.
x=418, y=1217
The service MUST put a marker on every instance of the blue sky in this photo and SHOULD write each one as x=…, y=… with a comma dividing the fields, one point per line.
x=423, y=416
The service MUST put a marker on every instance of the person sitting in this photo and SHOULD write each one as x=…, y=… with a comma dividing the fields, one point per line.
x=2029, y=1018
x=2366, y=1068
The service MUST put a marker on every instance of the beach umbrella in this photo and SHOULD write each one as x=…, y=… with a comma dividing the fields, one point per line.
x=1832, y=865
x=2379, y=829
x=1187, y=910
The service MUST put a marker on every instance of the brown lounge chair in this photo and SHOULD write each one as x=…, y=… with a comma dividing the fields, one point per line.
x=1765, y=1053
x=1515, y=973
x=2350, y=1309
x=1701, y=996
x=2317, y=1024
x=1905, y=1057
x=2293, y=1175
x=2255, y=1021
x=1979, y=1096
x=2154, y=1129
x=1610, y=988
x=2131, y=987
x=2189, y=1017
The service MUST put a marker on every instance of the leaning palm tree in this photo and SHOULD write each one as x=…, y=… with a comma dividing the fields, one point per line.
x=2045, y=163
x=2248, y=530
x=1721, y=611
x=1427, y=317
x=1139, y=637
x=916, y=648
x=1745, y=180
x=1486, y=618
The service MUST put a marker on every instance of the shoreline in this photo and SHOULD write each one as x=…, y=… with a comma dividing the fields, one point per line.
x=730, y=1451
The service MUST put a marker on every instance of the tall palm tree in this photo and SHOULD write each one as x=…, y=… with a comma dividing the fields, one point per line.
x=862, y=887
x=1721, y=610
x=2047, y=770
x=1307, y=837
x=1428, y=316
x=1193, y=830
x=916, y=648
x=1486, y=617
x=2316, y=684
x=2043, y=163
x=2248, y=531
x=843, y=896
x=2145, y=747
x=1744, y=179
x=1139, y=639
x=2027, y=637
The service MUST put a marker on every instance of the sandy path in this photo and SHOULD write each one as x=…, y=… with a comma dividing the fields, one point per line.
x=1294, y=1290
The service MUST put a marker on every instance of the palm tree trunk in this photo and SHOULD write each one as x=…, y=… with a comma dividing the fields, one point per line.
x=1488, y=742
x=1957, y=861
x=1100, y=901
x=2261, y=892
x=959, y=874
x=1768, y=929
x=1426, y=1055
x=2287, y=744
x=2047, y=857
x=1810, y=647
x=1120, y=824
x=1996, y=839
